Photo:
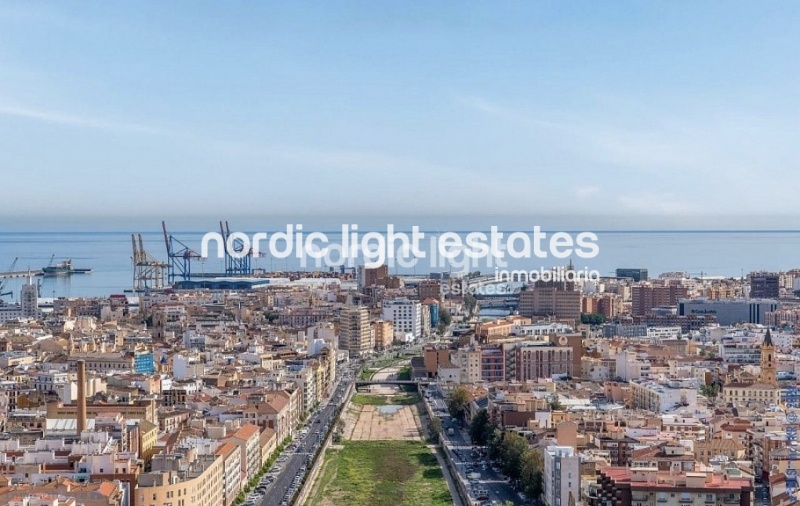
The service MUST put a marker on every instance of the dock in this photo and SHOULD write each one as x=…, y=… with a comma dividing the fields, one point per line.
x=20, y=274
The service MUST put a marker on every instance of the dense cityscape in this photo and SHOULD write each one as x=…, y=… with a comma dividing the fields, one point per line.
x=360, y=386
x=349, y=253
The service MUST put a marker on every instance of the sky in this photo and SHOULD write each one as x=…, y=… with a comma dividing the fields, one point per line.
x=587, y=114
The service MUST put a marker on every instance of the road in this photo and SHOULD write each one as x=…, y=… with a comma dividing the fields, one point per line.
x=282, y=491
x=762, y=495
x=459, y=447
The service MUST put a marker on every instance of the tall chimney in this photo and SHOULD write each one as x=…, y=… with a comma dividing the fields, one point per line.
x=81, y=411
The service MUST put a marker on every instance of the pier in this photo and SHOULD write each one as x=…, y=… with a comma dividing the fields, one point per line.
x=21, y=274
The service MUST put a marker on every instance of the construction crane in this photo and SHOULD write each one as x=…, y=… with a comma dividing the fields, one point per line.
x=180, y=257
x=235, y=265
x=4, y=281
x=148, y=272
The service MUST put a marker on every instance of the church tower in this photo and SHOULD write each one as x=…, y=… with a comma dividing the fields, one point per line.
x=768, y=369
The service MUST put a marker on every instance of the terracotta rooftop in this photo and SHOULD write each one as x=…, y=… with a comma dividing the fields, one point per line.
x=665, y=481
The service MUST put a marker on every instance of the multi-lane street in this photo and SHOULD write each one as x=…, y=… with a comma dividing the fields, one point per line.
x=486, y=484
x=287, y=480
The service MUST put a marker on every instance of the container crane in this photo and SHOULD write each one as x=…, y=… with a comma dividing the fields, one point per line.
x=180, y=257
x=4, y=281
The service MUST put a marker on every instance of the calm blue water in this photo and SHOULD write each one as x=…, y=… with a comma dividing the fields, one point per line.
x=109, y=255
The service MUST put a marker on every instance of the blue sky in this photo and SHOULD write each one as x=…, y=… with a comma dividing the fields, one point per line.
x=684, y=113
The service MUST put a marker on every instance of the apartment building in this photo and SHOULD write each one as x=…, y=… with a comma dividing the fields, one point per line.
x=233, y=477
x=493, y=363
x=631, y=367
x=562, y=476
x=246, y=439
x=646, y=296
x=405, y=315
x=647, y=486
x=468, y=361
x=661, y=397
x=429, y=289
x=489, y=331
x=765, y=285
x=541, y=360
x=551, y=298
x=383, y=334
x=182, y=479
x=355, y=336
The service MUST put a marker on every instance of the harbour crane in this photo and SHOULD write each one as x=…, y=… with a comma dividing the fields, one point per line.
x=237, y=260
x=4, y=281
x=180, y=257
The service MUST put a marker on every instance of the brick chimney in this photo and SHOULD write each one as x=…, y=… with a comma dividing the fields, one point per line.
x=81, y=408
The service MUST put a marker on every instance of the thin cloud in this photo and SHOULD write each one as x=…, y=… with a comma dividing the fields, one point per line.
x=505, y=113
x=654, y=203
x=584, y=192
x=664, y=143
x=59, y=118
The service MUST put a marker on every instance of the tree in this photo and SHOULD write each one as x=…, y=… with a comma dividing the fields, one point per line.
x=710, y=391
x=480, y=429
x=445, y=317
x=470, y=303
x=512, y=449
x=457, y=402
x=435, y=426
x=555, y=403
x=494, y=441
x=531, y=474
x=592, y=318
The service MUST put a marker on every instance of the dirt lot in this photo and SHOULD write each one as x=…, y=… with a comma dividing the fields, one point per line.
x=376, y=423
x=367, y=420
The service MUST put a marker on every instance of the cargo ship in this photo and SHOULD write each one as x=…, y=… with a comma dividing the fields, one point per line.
x=64, y=268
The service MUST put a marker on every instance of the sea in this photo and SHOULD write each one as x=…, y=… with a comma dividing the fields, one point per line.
x=709, y=253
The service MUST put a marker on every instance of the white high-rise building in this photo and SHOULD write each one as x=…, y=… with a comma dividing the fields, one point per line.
x=405, y=314
x=562, y=476
x=30, y=299
x=28, y=307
